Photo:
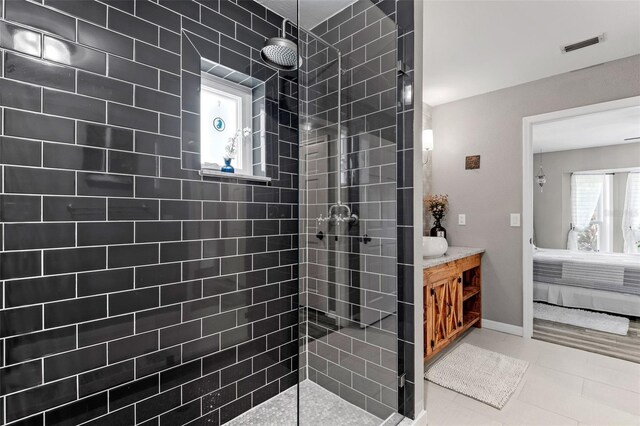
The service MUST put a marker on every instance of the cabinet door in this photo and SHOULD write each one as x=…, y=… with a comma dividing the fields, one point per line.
x=437, y=334
x=454, y=305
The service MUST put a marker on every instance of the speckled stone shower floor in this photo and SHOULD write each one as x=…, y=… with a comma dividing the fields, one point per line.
x=318, y=406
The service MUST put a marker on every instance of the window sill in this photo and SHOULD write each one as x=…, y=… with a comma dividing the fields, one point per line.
x=218, y=173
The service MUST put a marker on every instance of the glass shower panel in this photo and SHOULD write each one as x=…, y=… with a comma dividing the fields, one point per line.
x=348, y=326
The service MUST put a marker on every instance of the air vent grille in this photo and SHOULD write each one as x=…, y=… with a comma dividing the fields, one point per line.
x=582, y=44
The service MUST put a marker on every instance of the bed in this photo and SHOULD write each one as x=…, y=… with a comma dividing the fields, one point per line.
x=608, y=282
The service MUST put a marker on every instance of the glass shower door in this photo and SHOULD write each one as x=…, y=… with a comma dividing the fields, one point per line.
x=347, y=132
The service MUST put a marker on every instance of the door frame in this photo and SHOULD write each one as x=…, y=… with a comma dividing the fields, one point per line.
x=527, y=193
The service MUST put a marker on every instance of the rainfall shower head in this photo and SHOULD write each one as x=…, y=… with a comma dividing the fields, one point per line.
x=281, y=53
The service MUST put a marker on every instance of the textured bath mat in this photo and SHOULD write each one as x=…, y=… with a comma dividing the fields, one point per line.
x=580, y=318
x=484, y=375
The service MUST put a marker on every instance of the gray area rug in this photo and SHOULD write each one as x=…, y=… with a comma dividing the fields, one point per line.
x=487, y=376
x=581, y=318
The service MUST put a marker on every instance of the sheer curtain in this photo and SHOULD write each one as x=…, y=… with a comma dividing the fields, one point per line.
x=585, y=193
x=631, y=214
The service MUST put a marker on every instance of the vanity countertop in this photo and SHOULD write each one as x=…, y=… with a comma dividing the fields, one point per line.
x=453, y=253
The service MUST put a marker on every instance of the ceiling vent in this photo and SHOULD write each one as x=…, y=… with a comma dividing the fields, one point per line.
x=582, y=44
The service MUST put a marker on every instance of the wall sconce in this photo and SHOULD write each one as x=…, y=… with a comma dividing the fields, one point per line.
x=427, y=140
x=427, y=144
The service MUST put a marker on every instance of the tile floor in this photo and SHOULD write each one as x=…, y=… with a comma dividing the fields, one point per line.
x=563, y=386
x=318, y=407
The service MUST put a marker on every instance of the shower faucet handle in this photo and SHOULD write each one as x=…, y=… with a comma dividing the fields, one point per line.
x=320, y=220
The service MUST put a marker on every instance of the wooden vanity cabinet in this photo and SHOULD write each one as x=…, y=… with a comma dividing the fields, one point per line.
x=452, y=303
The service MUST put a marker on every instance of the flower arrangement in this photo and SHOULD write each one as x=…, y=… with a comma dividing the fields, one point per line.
x=232, y=146
x=437, y=205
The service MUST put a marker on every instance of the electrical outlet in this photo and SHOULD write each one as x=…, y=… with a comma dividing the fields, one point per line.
x=462, y=219
x=515, y=219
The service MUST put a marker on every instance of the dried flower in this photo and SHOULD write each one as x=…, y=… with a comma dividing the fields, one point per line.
x=232, y=146
x=437, y=204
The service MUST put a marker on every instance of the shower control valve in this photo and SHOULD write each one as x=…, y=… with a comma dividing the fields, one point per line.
x=320, y=220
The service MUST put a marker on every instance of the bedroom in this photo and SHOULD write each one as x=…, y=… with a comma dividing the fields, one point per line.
x=586, y=227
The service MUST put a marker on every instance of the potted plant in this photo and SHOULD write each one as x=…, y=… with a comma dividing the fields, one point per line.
x=231, y=149
x=437, y=206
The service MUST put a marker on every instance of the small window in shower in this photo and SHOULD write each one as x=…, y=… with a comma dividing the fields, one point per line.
x=225, y=125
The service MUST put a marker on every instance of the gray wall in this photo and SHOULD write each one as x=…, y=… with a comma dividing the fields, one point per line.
x=552, y=207
x=491, y=125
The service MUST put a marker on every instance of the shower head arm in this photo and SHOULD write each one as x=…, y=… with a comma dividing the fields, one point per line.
x=284, y=27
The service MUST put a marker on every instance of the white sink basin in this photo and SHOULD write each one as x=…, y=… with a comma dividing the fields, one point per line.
x=434, y=247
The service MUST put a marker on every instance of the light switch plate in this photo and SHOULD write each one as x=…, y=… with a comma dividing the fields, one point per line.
x=515, y=219
x=462, y=219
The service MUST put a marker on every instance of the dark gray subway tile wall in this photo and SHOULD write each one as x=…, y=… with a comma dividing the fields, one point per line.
x=133, y=291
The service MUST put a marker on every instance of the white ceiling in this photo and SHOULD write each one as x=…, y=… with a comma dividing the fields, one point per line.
x=588, y=131
x=312, y=12
x=475, y=47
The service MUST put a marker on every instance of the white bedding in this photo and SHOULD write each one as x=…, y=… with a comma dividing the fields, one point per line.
x=611, y=259
x=587, y=298
x=608, y=282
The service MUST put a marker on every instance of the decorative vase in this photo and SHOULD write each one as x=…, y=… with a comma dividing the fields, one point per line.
x=438, y=230
x=227, y=168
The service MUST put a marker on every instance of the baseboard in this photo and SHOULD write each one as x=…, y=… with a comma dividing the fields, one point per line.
x=421, y=419
x=502, y=327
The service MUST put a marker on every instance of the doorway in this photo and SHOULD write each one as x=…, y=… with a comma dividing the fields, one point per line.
x=573, y=148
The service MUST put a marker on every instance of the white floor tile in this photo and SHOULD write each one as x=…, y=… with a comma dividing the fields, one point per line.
x=546, y=377
x=516, y=413
x=563, y=386
x=615, y=364
x=613, y=397
x=452, y=413
x=434, y=393
x=574, y=406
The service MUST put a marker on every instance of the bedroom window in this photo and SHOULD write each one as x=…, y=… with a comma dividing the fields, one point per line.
x=631, y=214
x=597, y=235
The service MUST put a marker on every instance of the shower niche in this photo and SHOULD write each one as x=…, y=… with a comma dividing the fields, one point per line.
x=227, y=96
